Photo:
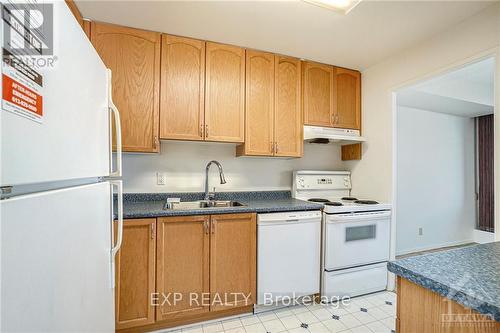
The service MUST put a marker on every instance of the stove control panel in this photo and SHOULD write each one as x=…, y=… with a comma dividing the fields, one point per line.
x=312, y=181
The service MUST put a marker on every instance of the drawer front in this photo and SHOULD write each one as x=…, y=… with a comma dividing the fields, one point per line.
x=355, y=281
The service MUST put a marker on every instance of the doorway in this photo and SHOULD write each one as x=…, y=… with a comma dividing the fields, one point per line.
x=444, y=160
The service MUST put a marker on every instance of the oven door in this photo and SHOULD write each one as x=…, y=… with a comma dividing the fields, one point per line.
x=356, y=239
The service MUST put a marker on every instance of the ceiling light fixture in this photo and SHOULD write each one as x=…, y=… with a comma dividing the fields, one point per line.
x=343, y=6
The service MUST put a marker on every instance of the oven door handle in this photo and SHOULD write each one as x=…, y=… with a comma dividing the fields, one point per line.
x=343, y=218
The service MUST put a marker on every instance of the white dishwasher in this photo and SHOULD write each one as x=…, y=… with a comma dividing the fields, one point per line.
x=288, y=256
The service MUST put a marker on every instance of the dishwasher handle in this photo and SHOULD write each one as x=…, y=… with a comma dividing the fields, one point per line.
x=289, y=221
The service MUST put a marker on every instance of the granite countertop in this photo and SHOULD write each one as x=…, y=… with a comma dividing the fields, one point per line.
x=469, y=276
x=144, y=205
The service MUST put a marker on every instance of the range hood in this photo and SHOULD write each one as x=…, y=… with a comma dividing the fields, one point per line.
x=316, y=134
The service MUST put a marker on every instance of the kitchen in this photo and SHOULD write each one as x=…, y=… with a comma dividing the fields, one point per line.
x=245, y=171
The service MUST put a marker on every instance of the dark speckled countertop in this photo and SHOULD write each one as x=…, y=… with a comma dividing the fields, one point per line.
x=143, y=205
x=469, y=276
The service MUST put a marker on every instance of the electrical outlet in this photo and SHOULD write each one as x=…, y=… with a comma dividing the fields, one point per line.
x=161, y=178
x=420, y=231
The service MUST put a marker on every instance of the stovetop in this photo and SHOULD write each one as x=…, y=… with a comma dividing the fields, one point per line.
x=349, y=204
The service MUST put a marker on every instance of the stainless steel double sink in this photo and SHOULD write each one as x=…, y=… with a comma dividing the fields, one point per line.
x=202, y=204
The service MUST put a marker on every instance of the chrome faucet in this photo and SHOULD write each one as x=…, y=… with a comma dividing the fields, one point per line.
x=208, y=195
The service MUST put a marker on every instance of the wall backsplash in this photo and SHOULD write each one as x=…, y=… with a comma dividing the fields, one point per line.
x=184, y=165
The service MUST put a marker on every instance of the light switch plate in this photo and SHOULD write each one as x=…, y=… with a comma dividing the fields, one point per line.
x=161, y=178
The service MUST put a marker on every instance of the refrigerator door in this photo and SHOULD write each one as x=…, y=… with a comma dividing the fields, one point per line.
x=56, y=264
x=71, y=140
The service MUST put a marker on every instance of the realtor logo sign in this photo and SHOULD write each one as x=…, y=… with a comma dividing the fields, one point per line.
x=26, y=51
x=28, y=28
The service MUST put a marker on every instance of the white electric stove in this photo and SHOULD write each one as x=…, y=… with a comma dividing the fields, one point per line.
x=355, y=234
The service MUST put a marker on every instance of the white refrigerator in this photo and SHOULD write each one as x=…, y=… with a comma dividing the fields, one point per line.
x=57, y=179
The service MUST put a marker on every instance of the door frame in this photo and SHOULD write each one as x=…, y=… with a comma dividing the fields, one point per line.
x=491, y=53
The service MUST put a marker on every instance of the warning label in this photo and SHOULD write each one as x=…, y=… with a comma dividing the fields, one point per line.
x=21, y=88
x=18, y=98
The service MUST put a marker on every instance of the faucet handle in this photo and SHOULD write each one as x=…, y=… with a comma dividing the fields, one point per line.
x=211, y=195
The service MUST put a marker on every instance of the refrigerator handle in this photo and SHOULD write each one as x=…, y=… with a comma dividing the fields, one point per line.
x=119, y=237
x=116, y=114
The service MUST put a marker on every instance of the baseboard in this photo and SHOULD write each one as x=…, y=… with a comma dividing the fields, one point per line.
x=482, y=237
x=432, y=247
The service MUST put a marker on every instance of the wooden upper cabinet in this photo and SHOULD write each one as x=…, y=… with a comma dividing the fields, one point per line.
x=288, y=129
x=135, y=274
x=75, y=11
x=183, y=264
x=347, y=99
x=318, y=81
x=134, y=58
x=182, y=88
x=233, y=260
x=224, y=93
x=259, y=104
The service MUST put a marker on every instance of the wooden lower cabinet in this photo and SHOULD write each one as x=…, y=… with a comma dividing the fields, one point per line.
x=182, y=265
x=232, y=261
x=204, y=265
x=422, y=310
x=135, y=274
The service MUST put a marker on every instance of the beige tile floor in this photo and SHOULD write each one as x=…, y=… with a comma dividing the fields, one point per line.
x=372, y=313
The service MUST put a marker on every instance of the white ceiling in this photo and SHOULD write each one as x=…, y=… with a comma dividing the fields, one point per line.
x=430, y=102
x=371, y=32
x=467, y=92
x=473, y=83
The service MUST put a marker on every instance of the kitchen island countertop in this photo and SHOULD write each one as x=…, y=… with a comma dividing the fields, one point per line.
x=469, y=276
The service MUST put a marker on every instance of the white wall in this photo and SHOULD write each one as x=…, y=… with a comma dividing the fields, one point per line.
x=435, y=180
x=474, y=36
x=184, y=164
x=477, y=36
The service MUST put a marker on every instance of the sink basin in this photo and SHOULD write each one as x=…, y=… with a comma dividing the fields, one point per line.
x=202, y=204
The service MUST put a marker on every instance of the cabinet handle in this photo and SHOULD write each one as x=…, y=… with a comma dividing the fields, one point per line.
x=205, y=226
x=206, y=131
x=152, y=231
x=272, y=147
x=333, y=119
x=276, y=147
x=213, y=227
x=201, y=131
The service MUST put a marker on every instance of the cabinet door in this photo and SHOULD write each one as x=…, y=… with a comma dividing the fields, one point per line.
x=134, y=58
x=347, y=99
x=232, y=261
x=135, y=274
x=183, y=265
x=288, y=128
x=259, y=104
x=318, y=80
x=182, y=88
x=225, y=93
